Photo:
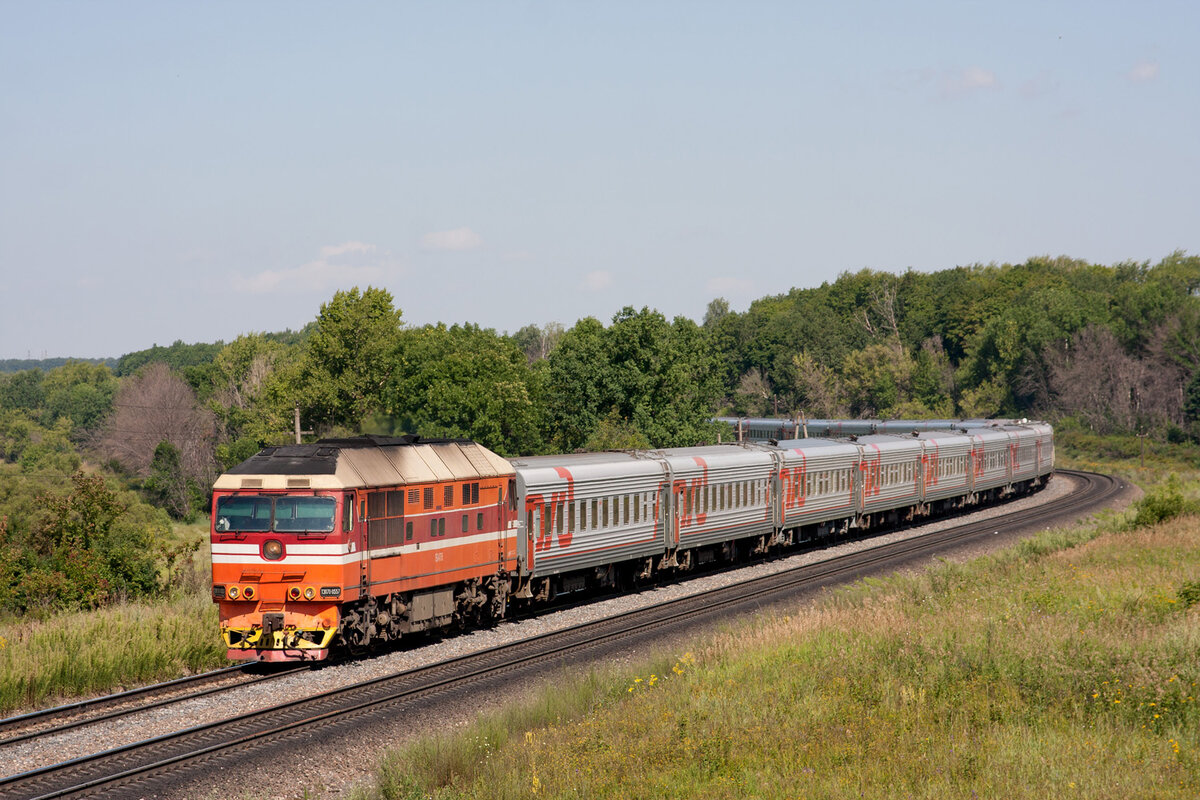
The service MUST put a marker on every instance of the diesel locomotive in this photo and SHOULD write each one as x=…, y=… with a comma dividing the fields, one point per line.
x=350, y=542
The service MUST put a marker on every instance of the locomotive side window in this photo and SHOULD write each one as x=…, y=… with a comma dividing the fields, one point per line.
x=466, y=526
x=408, y=531
x=479, y=521
x=348, y=515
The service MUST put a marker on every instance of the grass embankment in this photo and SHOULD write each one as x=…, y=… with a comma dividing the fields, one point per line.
x=65, y=656
x=1066, y=666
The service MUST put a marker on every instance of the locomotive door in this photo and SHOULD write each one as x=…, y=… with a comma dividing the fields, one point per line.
x=358, y=546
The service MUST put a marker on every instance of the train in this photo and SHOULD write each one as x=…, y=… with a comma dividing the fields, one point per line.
x=353, y=542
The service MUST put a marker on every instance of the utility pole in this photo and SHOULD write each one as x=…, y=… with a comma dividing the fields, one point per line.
x=298, y=431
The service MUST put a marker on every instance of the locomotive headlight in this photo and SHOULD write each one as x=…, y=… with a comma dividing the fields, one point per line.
x=233, y=593
x=294, y=592
x=273, y=550
x=309, y=593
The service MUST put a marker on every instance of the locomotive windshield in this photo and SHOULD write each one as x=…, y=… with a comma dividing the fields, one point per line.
x=258, y=513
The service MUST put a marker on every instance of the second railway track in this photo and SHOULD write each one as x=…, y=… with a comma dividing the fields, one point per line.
x=142, y=768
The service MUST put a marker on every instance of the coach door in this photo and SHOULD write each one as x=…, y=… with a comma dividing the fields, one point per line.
x=668, y=516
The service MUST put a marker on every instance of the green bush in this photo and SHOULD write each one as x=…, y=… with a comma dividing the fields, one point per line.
x=1162, y=503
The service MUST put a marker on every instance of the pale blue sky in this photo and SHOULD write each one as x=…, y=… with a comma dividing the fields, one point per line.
x=198, y=170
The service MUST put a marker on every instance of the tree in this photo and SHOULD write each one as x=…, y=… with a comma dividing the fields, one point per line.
x=537, y=343
x=349, y=357
x=23, y=390
x=717, y=310
x=168, y=487
x=756, y=395
x=242, y=372
x=466, y=381
x=876, y=379
x=579, y=384
x=156, y=406
x=817, y=389
x=660, y=377
x=80, y=392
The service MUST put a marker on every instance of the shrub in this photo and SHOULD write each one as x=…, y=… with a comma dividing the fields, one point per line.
x=1162, y=503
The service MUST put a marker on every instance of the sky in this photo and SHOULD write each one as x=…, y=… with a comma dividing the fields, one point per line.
x=196, y=171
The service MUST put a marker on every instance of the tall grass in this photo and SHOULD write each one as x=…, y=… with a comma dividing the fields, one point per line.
x=65, y=656
x=1066, y=667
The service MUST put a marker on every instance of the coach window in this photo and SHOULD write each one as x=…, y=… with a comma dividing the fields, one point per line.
x=558, y=513
x=546, y=522
x=604, y=513
x=595, y=515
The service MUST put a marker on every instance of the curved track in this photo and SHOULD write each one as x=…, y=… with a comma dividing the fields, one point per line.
x=141, y=769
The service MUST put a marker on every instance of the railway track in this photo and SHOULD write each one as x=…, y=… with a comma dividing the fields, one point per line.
x=143, y=768
x=50, y=721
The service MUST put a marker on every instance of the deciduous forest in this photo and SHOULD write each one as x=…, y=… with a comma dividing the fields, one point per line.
x=96, y=460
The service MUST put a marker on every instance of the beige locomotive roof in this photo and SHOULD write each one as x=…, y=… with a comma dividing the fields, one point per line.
x=364, y=461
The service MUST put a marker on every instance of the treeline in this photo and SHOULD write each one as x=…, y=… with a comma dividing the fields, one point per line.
x=1114, y=348
x=20, y=364
x=1117, y=348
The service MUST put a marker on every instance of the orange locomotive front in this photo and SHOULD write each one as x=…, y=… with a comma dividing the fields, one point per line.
x=351, y=541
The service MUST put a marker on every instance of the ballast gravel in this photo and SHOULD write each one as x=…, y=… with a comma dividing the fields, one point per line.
x=333, y=772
